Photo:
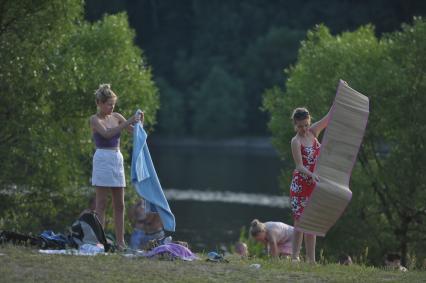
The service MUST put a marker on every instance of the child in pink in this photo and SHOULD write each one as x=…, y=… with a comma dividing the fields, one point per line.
x=277, y=236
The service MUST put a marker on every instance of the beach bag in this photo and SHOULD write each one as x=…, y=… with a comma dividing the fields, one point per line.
x=88, y=230
x=50, y=240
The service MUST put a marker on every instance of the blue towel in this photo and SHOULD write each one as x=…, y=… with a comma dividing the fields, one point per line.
x=145, y=180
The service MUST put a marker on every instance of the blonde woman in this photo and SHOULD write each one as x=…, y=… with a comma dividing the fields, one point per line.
x=108, y=168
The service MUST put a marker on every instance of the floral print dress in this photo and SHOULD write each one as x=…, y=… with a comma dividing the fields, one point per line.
x=302, y=185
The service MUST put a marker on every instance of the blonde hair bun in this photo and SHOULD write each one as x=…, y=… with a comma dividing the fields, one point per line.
x=104, y=92
x=104, y=86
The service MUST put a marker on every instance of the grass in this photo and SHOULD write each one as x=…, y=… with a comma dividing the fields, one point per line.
x=20, y=264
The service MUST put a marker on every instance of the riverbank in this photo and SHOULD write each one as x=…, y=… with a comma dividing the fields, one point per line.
x=20, y=264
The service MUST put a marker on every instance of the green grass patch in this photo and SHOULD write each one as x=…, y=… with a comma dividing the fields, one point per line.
x=20, y=264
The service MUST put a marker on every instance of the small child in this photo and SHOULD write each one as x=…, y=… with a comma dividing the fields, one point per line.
x=241, y=249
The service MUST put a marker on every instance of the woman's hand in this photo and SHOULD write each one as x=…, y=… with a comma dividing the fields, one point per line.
x=138, y=117
x=141, y=116
x=315, y=177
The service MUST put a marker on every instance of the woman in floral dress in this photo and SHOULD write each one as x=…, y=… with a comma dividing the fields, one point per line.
x=305, y=149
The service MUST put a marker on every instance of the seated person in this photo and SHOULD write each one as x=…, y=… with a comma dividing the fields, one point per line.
x=277, y=236
x=393, y=261
x=146, y=223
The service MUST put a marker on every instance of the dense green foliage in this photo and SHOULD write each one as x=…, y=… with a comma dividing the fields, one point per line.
x=249, y=41
x=51, y=61
x=388, y=183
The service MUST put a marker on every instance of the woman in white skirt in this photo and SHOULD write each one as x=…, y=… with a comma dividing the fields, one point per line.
x=108, y=169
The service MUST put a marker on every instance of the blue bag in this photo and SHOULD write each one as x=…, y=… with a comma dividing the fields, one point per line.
x=50, y=240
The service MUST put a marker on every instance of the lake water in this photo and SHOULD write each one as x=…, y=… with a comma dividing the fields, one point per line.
x=215, y=189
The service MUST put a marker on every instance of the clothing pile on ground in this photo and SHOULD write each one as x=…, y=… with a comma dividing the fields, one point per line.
x=87, y=237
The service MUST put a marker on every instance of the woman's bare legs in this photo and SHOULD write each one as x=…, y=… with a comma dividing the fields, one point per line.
x=101, y=203
x=296, y=243
x=310, y=242
x=118, y=207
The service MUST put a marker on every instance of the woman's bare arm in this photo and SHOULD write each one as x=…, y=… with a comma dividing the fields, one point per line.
x=273, y=247
x=297, y=157
x=320, y=125
x=98, y=127
x=121, y=119
x=138, y=117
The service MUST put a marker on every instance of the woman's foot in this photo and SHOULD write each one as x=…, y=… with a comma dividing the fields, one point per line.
x=122, y=247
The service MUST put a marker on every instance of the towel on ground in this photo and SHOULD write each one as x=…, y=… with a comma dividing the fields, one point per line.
x=172, y=249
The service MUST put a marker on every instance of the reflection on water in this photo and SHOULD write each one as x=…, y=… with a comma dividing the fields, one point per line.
x=216, y=190
x=242, y=169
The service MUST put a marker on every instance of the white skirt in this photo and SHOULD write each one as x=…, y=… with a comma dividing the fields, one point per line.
x=108, y=169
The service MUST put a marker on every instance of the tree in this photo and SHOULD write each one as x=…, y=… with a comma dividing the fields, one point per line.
x=219, y=105
x=261, y=67
x=398, y=178
x=30, y=31
x=388, y=187
x=252, y=40
x=171, y=117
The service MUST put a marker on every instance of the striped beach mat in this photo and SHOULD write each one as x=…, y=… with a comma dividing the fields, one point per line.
x=339, y=150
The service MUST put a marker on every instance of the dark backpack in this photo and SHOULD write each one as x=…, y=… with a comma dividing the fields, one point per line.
x=88, y=230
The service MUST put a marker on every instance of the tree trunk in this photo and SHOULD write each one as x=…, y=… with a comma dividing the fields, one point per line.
x=403, y=240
